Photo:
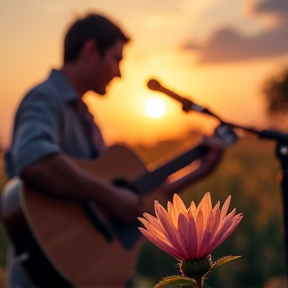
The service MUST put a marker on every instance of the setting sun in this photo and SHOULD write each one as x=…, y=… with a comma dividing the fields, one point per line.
x=155, y=108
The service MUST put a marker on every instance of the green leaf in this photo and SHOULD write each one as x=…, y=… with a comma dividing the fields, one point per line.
x=223, y=260
x=172, y=281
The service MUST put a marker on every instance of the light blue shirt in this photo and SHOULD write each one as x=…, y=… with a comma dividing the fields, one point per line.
x=49, y=121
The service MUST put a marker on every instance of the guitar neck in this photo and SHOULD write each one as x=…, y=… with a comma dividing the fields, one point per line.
x=154, y=179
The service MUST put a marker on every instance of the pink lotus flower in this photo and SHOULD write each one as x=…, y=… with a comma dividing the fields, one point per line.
x=191, y=234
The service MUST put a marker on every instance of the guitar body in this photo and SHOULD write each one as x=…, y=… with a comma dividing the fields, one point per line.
x=58, y=244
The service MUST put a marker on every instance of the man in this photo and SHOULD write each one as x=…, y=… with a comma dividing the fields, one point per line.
x=53, y=123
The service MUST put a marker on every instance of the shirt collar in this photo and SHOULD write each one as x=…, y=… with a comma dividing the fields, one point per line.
x=67, y=91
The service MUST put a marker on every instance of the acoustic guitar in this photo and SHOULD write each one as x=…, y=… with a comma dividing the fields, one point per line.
x=63, y=243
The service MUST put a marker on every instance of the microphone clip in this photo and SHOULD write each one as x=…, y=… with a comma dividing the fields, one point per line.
x=226, y=133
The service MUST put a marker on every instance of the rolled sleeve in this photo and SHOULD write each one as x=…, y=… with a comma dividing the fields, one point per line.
x=37, y=134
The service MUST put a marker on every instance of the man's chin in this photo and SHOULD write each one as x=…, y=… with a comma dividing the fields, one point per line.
x=102, y=93
x=99, y=92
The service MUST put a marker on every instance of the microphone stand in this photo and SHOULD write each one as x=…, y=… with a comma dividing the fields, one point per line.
x=281, y=151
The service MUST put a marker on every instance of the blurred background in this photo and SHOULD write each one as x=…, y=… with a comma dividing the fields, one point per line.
x=225, y=55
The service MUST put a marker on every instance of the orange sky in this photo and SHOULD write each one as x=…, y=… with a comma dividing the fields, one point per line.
x=32, y=34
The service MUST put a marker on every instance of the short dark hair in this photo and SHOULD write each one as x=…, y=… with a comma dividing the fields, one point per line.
x=92, y=27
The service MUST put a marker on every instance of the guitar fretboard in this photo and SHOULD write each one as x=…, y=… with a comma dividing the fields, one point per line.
x=153, y=179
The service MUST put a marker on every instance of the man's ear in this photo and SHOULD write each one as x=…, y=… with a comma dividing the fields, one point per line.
x=90, y=51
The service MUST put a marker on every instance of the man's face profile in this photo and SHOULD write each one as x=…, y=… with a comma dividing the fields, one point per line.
x=104, y=67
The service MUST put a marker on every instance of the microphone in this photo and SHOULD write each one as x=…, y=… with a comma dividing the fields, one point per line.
x=187, y=105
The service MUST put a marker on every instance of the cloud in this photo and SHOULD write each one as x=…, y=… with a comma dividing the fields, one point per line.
x=227, y=44
x=271, y=6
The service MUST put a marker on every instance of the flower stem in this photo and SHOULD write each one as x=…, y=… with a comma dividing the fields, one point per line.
x=200, y=282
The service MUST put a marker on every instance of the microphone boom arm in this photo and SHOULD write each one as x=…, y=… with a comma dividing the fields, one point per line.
x=187, y=105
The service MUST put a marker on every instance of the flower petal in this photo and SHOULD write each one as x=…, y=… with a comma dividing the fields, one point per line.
x=173, y=214
x=214, y=219
x=159, y=234
x=211, y=228
x=205, y=205
x=224, y=233
x=171, y=231
x=193, y=239
x=178, y=204
x=154, y=221
x=163, y=246
x=200, y=229
x=225, y=207
x=192, y=209
x=183, y=228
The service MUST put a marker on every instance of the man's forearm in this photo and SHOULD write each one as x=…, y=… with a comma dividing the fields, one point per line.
x=60, y=176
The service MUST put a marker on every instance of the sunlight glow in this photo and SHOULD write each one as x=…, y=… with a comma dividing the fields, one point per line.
x=155, y=108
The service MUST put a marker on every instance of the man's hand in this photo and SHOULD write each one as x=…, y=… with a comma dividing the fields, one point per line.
x=216, y=148
x=207, y=163
x=126, y=206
